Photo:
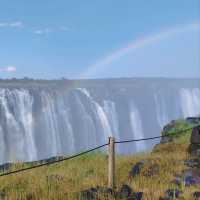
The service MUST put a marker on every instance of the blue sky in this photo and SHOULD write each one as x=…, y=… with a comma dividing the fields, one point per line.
x=98, y=39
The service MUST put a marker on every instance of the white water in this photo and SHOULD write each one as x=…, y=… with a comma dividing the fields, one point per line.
x=111, y=113
x=40, y=124
x=190, y=102
x=51, y=124
x=19, y=121
x=161, y=110
x=100, y=114
x=136, y=125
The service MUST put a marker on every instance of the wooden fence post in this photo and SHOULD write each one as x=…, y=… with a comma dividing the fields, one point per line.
x=111, y=163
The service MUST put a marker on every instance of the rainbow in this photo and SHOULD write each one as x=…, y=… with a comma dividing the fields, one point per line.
x=137, y=44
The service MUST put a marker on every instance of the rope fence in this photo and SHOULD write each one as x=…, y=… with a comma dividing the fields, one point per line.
x=96, y=148
x=53, y=162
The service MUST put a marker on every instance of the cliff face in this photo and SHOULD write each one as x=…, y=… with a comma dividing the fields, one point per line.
x=41, y=119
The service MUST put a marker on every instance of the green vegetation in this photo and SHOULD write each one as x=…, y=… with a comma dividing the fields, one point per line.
x=177, y=125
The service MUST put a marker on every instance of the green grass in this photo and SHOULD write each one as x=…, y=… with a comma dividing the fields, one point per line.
x=66, y=179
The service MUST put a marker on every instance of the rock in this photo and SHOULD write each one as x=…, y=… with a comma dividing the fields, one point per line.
x=136, y=169
x=193, y=163
x=152, y=170
x=171, y=194
x=166, y=129
x=193, y=120
x=194, y=150
x=188, y=178
x=196, y=195
x=195, y=137
x=92, y=193
x=135, y=196
x=5, y=166
x=191, y=177
x=104, y=189
x=125, y=191
x=166, y=139
x=89, y=194
x=147, y=168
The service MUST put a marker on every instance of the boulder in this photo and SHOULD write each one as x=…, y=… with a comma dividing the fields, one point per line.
x=105, y=190
x=152, y=170
x=167, y=128
x=135, y=196
x=136, y=169
x=193, y=163
x=125, y=191
x=146, y=168
x=171, y=194
x=188, y=178
x=195, y=137
x=194, y=148
x=89, y=194
x=166, y=139
x=6, y=166
x=193, y=120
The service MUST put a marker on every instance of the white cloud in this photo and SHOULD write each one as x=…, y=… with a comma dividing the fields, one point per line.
x=8, y=69
x=42, y=31
x=3, y=24
x=49, y=30
x=65, y=28
x=15, y=24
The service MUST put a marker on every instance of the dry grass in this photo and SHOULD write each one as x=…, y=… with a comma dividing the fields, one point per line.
x=65, y=180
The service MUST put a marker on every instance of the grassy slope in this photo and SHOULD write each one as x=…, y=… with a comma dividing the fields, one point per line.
x=63, y=180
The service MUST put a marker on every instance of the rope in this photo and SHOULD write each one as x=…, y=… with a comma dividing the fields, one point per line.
x=52, y=162
x=157, y=137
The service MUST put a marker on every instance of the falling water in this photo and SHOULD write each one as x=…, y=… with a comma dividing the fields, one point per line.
x=161, y=110
x=111, y=113
x=39, y=123
x=190, y=102
x=136, y=125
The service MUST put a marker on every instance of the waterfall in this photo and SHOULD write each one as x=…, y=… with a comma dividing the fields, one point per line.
x=39, y=122
x=161, y=110
x=65, y=123
x=90, y=136
x=100, y=114
x=2, y=145
x=16, y=113
x=111, y=113
x=51, y=123
x=190, y=102
x=136, y=125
